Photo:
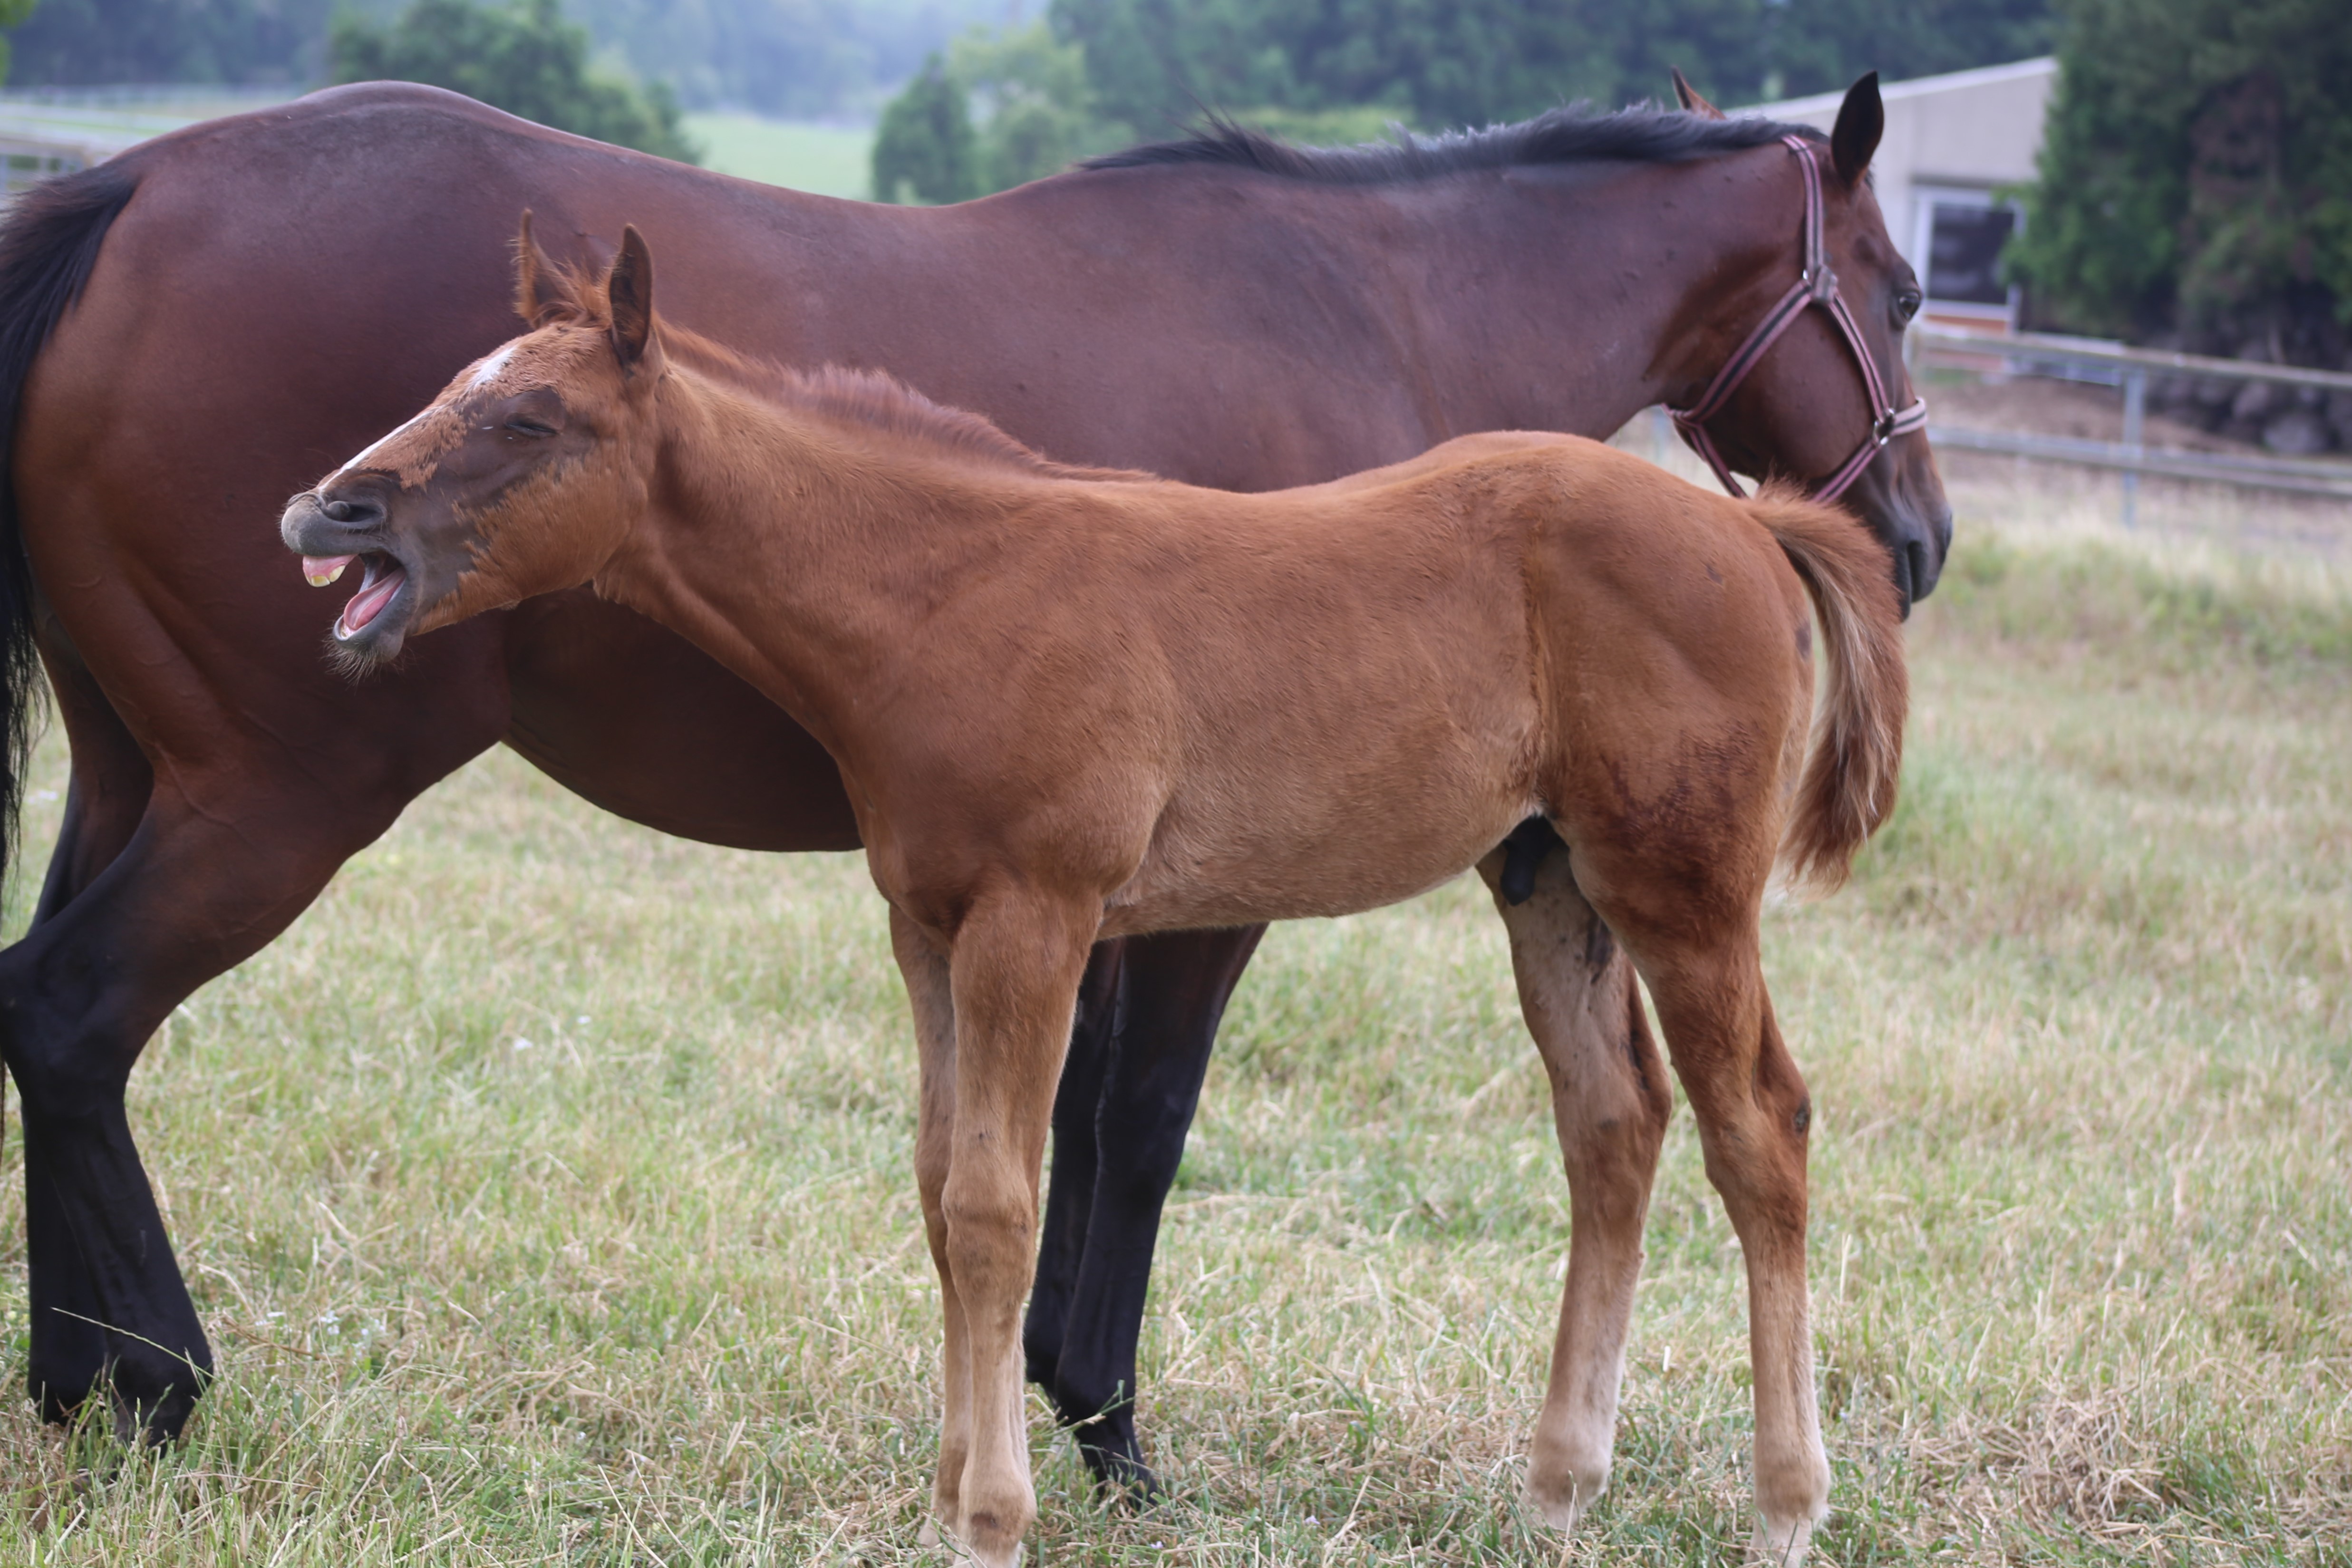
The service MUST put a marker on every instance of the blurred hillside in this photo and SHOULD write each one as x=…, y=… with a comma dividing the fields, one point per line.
x=1150, y=62
x=805, y=58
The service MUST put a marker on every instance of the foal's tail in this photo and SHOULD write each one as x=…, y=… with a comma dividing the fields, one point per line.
x=1857, y=745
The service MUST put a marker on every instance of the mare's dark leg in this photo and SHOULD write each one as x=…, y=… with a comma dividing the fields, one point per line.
x=1070, y=1190
x=225, y=852
x=1176, y=987
x=106, y=794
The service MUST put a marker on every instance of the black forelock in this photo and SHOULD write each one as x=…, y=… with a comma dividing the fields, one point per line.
x=1574, y=134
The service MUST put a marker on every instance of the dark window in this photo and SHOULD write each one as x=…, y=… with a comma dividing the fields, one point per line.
x=1964, y=254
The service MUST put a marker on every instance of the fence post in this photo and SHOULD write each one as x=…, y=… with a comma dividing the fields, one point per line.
x=2135, y=418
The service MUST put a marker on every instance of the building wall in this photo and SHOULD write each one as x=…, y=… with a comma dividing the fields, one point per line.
x=1954, y=137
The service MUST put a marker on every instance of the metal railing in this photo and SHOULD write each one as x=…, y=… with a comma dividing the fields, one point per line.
x=2029, y=353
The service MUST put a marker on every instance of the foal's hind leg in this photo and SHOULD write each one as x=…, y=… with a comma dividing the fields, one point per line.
x=1610, y=1102
x=1687, y=913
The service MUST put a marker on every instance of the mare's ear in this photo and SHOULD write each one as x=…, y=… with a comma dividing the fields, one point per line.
x=1862, y=118
x=629, y=288
x=534, y=278
x=1688, y=96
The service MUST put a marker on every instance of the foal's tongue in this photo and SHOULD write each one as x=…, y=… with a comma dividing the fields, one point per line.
x=372, y=598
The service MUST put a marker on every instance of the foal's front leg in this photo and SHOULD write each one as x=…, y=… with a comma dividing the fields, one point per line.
x=1610, y=1104
x=923, y=963
x=1012, y=972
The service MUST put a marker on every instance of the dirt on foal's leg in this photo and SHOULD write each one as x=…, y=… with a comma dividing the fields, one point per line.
x=992, y=1009
x=1610, y=1103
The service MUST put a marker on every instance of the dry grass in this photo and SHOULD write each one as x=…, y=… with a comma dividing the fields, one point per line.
x=548, y=1186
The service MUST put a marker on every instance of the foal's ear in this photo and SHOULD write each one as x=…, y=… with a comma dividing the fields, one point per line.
x=1861, y=120
x=629, y=288
x=535, y=274
x=1688, y=96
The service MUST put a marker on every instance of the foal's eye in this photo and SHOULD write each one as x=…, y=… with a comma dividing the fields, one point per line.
x=523, y=424
x=1906, y=305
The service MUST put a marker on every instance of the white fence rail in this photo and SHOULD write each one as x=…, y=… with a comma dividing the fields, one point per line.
x=2027, y=352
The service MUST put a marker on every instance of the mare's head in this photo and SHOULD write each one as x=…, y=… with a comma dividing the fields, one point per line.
x=523, y=477
x=1804, y=410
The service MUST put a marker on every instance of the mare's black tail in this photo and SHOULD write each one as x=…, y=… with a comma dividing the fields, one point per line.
x=49, y=243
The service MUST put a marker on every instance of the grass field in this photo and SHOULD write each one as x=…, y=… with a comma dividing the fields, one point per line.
x=828, y=160
x=547, y=1188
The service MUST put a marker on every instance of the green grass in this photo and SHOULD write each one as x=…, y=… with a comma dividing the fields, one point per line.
x=650, y=1286
x=827, y=160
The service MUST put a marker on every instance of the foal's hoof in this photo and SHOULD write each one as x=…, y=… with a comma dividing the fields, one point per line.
x=1564, y=1499
x=1780, y=1545
x=989, y=1543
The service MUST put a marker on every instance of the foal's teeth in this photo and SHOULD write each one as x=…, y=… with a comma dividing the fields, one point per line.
x=322, y=570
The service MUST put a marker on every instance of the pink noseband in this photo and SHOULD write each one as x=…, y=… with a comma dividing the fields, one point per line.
x=1816, y=286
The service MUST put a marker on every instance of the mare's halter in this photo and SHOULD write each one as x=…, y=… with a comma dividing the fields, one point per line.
x=1817, y=285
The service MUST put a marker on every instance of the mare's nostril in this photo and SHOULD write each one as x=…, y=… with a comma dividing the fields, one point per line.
x=357, y=512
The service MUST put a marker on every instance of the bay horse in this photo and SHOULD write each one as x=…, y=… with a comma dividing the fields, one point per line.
x=192, y=331
x=1071, y=703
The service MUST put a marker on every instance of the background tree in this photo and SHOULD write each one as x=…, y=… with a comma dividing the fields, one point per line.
x=2196, y=176
x=798, y=58
x=924, y=149
x=524, y=57
x=1442, y=63
x=71, y=43
x=12, y=11
x=1034, y=106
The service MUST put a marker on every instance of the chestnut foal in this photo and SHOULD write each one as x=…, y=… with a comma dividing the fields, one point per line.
x=1073, y=704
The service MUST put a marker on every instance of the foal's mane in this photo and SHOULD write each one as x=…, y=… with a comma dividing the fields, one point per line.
x=1574, y=134
x=840, y=394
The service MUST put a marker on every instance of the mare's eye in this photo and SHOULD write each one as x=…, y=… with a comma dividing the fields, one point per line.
x=1906, y=305
x=523, y=424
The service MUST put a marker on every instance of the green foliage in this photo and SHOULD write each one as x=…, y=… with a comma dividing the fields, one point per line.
x=1035, y=114
x=1322, y=127
x=1035, y=106
x=797, y=57
x=12, y=13
x=924, y=150
x=791, y=57
x=2197, y=174
x=70, y=43
x=1453, y=62
x=523, y=57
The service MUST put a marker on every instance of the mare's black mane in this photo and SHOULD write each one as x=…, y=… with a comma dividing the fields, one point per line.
x=1643, y=134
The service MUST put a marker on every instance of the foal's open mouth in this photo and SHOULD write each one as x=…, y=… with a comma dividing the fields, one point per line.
x=381, y=580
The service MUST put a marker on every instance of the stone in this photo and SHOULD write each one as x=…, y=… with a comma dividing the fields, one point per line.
x=2297, y=433
x=2339, y=416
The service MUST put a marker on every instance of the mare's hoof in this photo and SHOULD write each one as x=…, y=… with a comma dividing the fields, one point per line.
x=144, y=1405
x=1120, y=1475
